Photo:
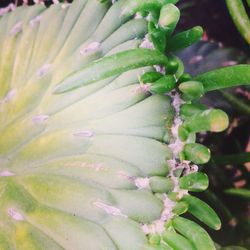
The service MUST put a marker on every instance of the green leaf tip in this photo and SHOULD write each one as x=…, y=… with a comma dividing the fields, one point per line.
x=225, y=77
x=202, y=211
x=192, y=231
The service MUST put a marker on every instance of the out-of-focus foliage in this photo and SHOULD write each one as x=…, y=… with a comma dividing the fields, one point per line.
x=229, y=169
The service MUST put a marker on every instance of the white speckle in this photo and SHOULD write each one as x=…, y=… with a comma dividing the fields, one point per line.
x=189, y=167
x=109, y=209
x=177, y=145
x=6, y=173
x=181, y=193
x=15, y=215
x=95, y=166
x=124, y=175
x=91, y=47
x=10, y=95
x=84, y=133
x=138, y=15
x=44, y=70
x=142, y=88
x=98, y=167
x=40, y=119
x=158, y=225
x=35, y=20
x=153, y=228
x=113, y=1
x=142, y=182
x=16, y=28
x=149, y=17
x=146, y=44
x=176, y=101
x=160, y=69
x=168, y=207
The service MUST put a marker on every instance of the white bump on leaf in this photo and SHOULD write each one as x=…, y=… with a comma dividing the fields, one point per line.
x=44, y=70
x=15, y=215
x=40, y=119
x=109, y=209
x=35, y=20
x=84, y=133
x=142, y=88
x=6, y=173
x=16, y=28
x=91, y=47
x=146, y=44
x=138, y=15
x=142, y=182
x=161, y=69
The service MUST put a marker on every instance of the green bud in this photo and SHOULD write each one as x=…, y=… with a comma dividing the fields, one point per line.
x=180, y=208
x=194, y=182
x=172, y=66
x=184, y=78
x=151, y=76
x=218, y=120
x=158, y=38
x=189, y=110
x=154, y=239
x=197, y=153
x=192, y=89
x=163, y=85
x=185, y=39
x=173, y=196
x=169, y=17
x=161, y=184
x=214, y=120
x=183, y=133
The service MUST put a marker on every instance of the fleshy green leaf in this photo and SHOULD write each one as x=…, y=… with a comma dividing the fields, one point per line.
x=225, y=77
x=195, y=182
x=177, y=241
x=194, y=233
x=202, y=211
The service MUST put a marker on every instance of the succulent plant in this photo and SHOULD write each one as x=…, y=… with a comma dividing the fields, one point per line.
x=97, y=144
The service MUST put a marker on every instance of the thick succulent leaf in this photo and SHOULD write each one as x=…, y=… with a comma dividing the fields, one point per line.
x=192, y=231
x=69, y=162
x=85, y=160
x=202, y=211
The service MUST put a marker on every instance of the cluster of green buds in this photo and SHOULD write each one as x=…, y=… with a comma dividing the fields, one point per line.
x=98, y=123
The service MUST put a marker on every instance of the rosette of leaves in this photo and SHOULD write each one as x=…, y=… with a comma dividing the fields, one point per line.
x=97, y=144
